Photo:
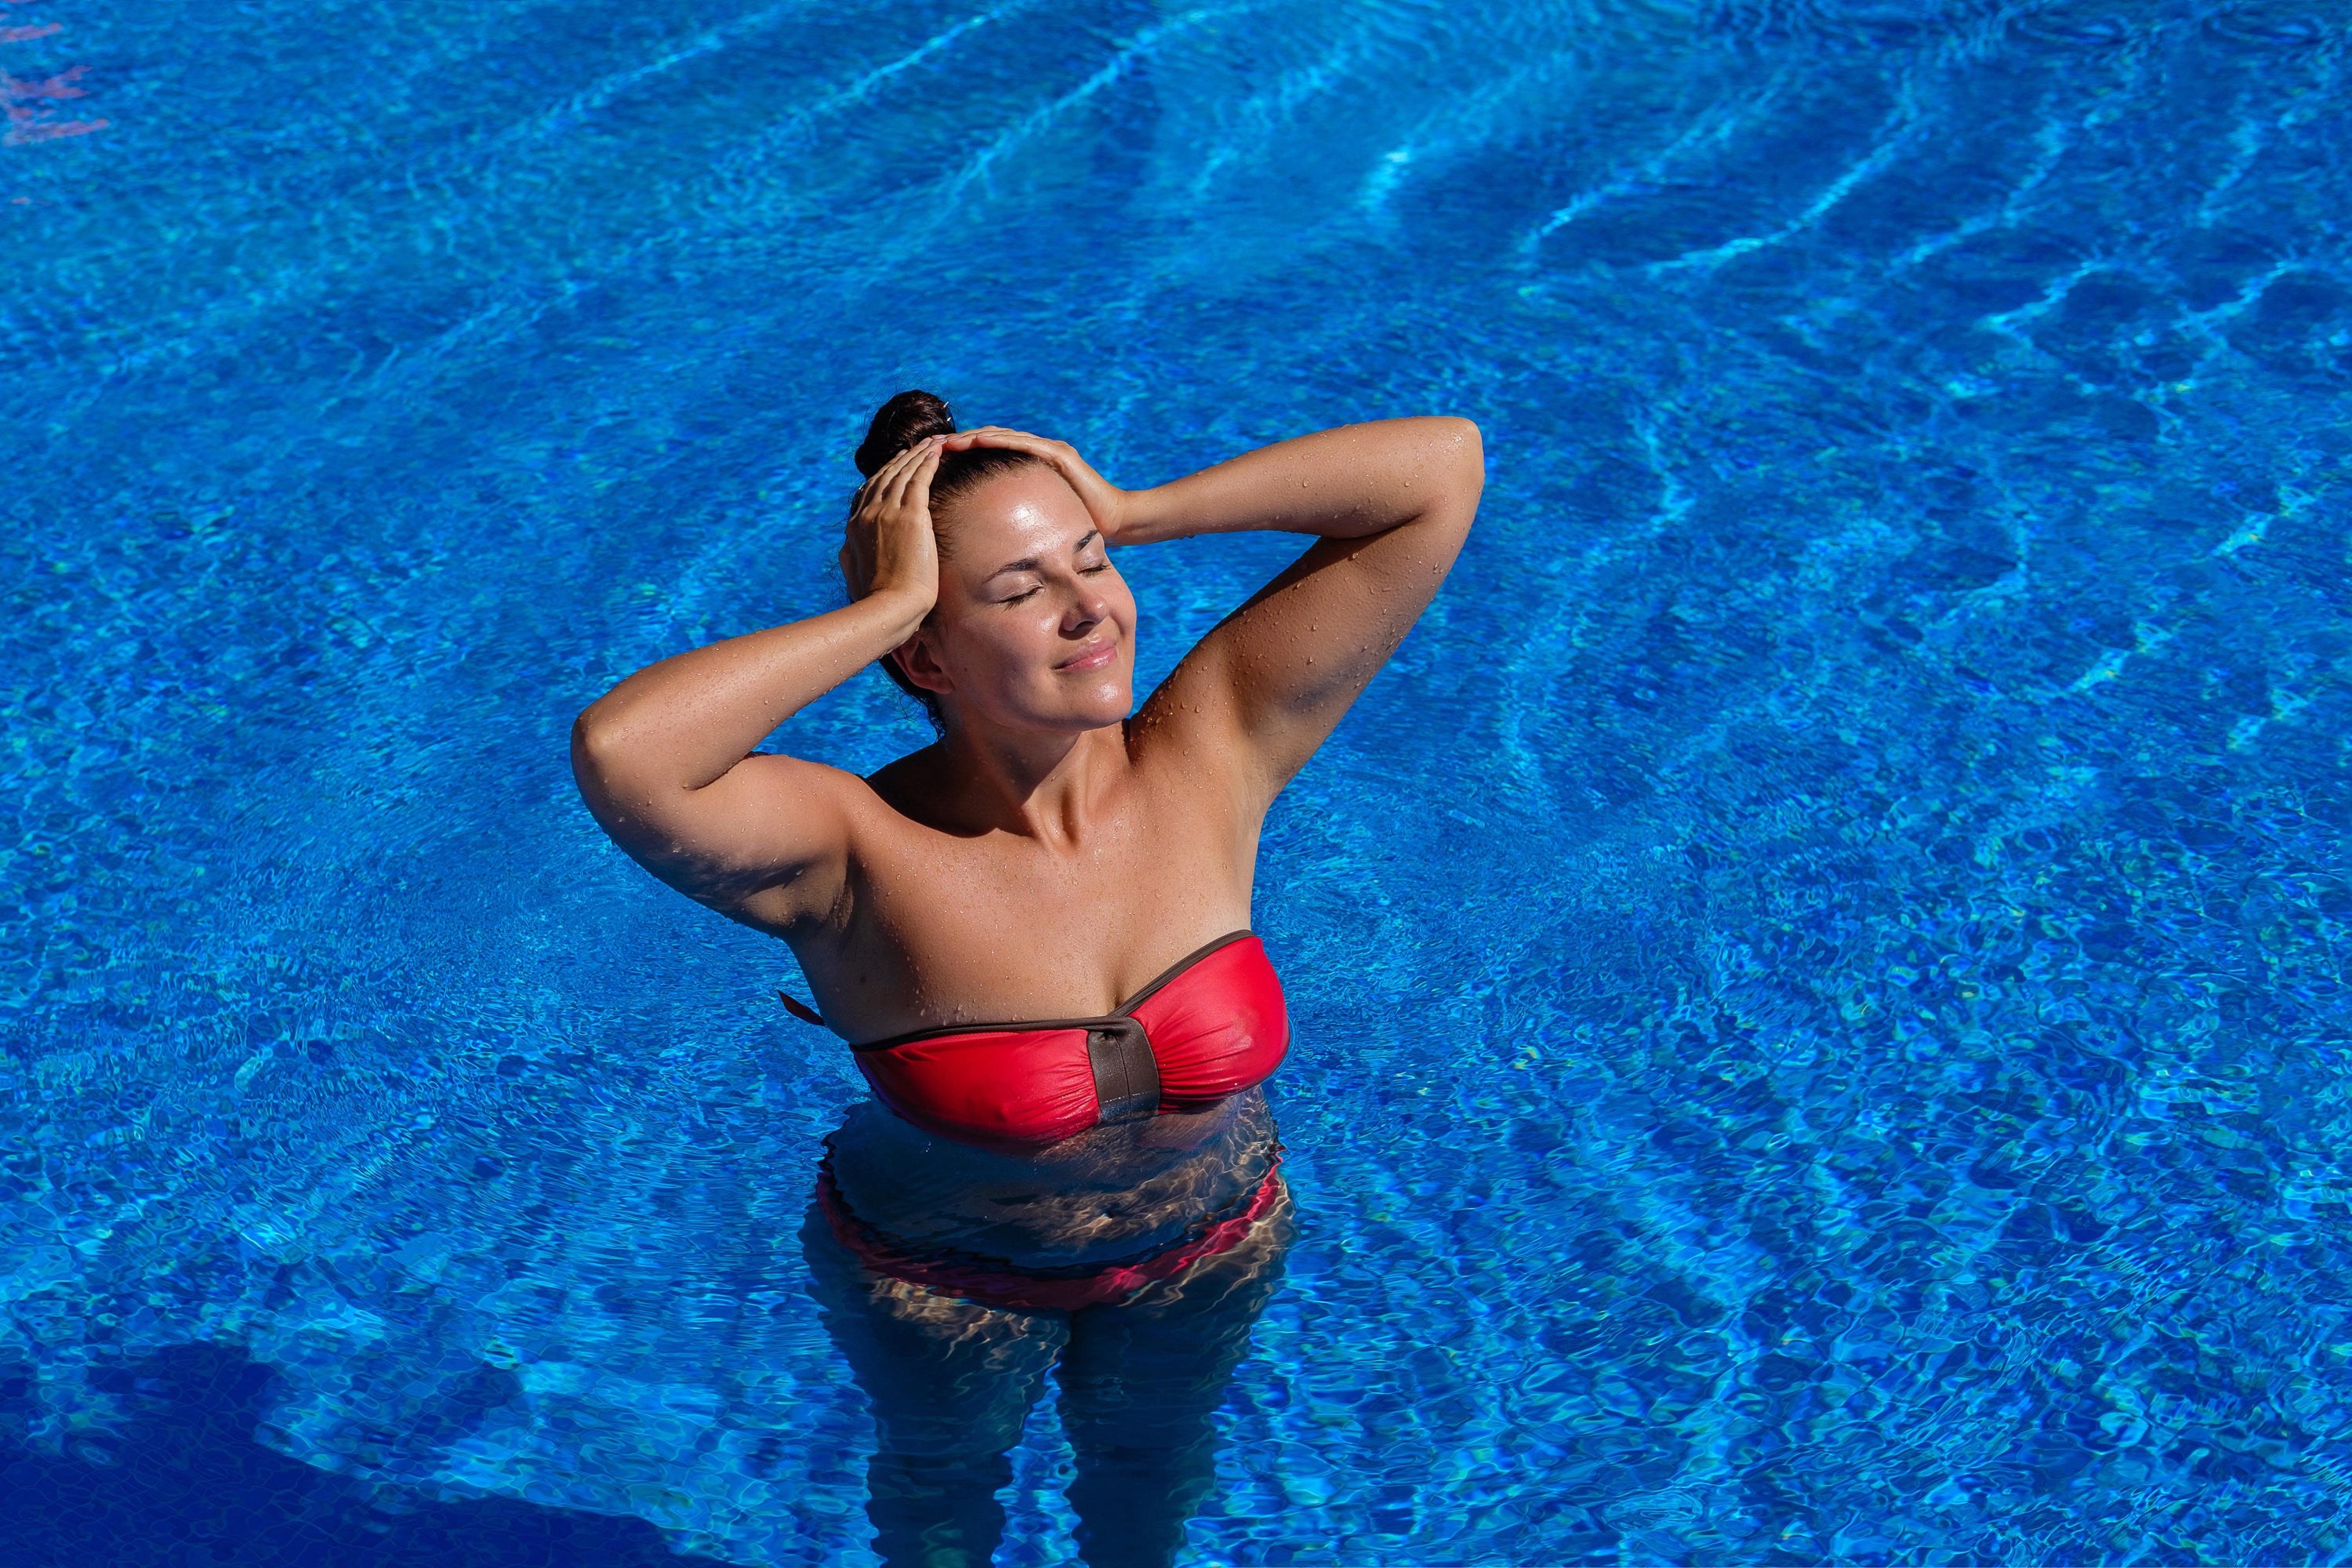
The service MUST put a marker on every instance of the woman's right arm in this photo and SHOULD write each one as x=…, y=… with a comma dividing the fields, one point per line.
x=663, y=759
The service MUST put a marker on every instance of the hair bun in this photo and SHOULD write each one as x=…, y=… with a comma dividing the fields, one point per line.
x=900, y=423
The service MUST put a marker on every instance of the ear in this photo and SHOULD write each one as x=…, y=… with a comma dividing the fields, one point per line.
x=920, y=663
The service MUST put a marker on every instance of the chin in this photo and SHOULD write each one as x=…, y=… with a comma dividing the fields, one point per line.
x=1110, y=709
x=1104, y=706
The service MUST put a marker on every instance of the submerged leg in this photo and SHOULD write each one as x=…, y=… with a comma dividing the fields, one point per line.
x=951, y=1383
x=1140, y=1383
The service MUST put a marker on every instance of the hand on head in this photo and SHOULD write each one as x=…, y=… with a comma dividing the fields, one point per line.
x=891, y=545
x=1105, y=501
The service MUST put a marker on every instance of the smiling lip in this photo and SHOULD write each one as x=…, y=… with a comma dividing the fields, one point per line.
x=1095, y=657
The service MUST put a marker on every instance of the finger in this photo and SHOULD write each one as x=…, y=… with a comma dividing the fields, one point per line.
x=898, y=460
x=890, y=473
x=919, y=483
x=884, y=485
x=997, y=436
x=1060, y=455
x=1053, y=451
x=909, y=460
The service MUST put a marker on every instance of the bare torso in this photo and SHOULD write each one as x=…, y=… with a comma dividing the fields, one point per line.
x=941, y=924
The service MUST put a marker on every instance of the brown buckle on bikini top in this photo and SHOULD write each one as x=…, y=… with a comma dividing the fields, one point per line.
x=1127, y=1075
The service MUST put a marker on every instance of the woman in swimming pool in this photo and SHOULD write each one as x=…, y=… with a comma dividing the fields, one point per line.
x=1090, y=1183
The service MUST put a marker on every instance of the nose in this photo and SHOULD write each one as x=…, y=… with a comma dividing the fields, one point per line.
x=1088, y=609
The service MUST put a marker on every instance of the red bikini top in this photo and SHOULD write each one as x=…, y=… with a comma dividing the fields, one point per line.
x=1211, y=1027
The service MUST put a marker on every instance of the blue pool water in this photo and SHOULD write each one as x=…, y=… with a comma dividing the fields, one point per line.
x=1818, y=973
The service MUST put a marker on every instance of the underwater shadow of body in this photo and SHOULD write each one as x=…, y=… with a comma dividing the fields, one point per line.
x=186, y=1483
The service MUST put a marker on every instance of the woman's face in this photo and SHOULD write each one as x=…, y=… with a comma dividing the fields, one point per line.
x=1035, y=628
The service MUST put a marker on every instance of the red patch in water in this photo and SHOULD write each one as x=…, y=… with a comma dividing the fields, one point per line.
x=28, y=125
x=33, y=125
x=58, y=86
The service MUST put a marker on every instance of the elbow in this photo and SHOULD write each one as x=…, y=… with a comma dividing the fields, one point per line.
x=1464, y=449
x=609, y=775
x=1468, y=444
x=595, y=748
x=616, y=770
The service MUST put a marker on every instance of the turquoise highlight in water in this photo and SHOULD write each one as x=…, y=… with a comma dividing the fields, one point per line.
x=1818, y=972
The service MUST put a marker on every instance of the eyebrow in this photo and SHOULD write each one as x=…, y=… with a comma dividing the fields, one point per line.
x=1029, y=563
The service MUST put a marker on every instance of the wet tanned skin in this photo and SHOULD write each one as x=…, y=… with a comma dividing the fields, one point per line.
x=1049, y=855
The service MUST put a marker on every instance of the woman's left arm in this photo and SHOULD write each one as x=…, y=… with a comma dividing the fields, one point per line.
x=1393, y=501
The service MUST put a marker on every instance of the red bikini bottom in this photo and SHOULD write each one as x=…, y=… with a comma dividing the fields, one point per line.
x=995, y=1283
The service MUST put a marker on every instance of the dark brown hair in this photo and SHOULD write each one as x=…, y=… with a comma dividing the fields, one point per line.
x=912, y=416
x=909, y=417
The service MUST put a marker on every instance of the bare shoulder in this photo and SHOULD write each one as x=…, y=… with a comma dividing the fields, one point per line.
x=773, y=841
x=1187, y=748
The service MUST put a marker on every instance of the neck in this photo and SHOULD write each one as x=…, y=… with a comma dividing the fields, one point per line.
x=1039, y=785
